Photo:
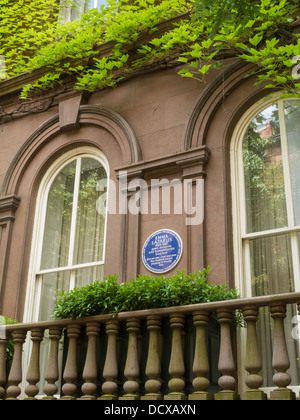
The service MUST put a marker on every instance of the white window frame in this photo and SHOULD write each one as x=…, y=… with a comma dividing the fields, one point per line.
x=66, y=15
x=240, y=235
x=241, y=239
x=34, y=283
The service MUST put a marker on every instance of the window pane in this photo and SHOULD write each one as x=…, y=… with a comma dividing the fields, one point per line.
x=90, y=4
x=77, y=9
x=100, y=3
x=271, y=266
x=89, y=275
x=56, y=240
x=272, y=273
x=90, y=227
x=263, y=168
x=95, y=4
x=51, y=285
x=292, y=117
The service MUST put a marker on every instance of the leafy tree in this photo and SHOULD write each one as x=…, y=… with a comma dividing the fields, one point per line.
x=25, y=26
x=260, y=32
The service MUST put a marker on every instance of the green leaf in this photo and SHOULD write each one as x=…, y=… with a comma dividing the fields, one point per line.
x=256, y=40
x=185, y=73
x=183, y=60
x=281, y=79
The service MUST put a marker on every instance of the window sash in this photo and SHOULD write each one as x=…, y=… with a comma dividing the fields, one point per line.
x=73, y=224
x=243, y=241
x=35, y=274
x=268, y=233
x=291, y=228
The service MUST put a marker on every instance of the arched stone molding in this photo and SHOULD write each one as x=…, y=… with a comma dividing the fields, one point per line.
x=74, y=126
x=211, y=99
x=87, y=116
x=117, y=126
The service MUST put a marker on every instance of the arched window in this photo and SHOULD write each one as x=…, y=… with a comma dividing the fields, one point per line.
x=265, y=160
x=69, y=235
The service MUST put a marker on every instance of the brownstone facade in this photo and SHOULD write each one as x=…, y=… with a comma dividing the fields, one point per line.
x=154, y=126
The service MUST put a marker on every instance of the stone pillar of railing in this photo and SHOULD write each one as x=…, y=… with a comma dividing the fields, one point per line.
x=153, y=367
x=176, y=367
x=33, y=374
x=90, y=372
x=71, y=372
x=110, y=372
x=52, y=371
x=281, y=361
x=226, y=367
x=132, y=370
x=201, y=364
x=253, y=363
x=3, y=373
x=15, y=375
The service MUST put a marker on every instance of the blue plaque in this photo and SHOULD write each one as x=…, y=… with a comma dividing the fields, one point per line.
x=162, y=251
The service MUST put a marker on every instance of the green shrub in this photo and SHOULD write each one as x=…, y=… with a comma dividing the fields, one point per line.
x=4, y=320
x=144, y=292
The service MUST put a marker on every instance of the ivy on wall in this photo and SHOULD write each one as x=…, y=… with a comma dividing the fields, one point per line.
x=208, y=33
x=25, y=27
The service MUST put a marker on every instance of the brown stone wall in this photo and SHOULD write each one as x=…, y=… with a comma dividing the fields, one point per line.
x=155, y=126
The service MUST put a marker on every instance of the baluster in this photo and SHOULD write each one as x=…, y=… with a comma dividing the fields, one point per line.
x=15, y=375
x=52, y=372
x=201, y=363
x=89, y=388
x=226, y=362
x=33, y=374
x=281, y=361
x=253, y=363
x=153, y=367
x=71, y=371
x=110, y=372
x=176, y=367
x=3, y=373
x=132, y=370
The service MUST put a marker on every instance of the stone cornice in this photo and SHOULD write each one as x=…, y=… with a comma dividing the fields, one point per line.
x=191, y=162
x=8, y=207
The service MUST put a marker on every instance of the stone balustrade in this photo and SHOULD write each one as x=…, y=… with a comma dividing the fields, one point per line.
x=149, y=355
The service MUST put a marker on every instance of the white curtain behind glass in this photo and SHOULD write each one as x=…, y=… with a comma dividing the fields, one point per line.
x=74, y=232
x=56, y=239
x=271, y=262
x=292, y=118
x=89, y=239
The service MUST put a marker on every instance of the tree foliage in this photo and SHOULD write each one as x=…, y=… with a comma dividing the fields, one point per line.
x=260, y=32
x=25, y=27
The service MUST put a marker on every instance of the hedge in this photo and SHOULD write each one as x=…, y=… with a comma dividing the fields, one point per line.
x=144, y=292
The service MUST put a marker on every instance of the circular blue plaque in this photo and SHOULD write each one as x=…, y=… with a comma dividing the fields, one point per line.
x=162, y=251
